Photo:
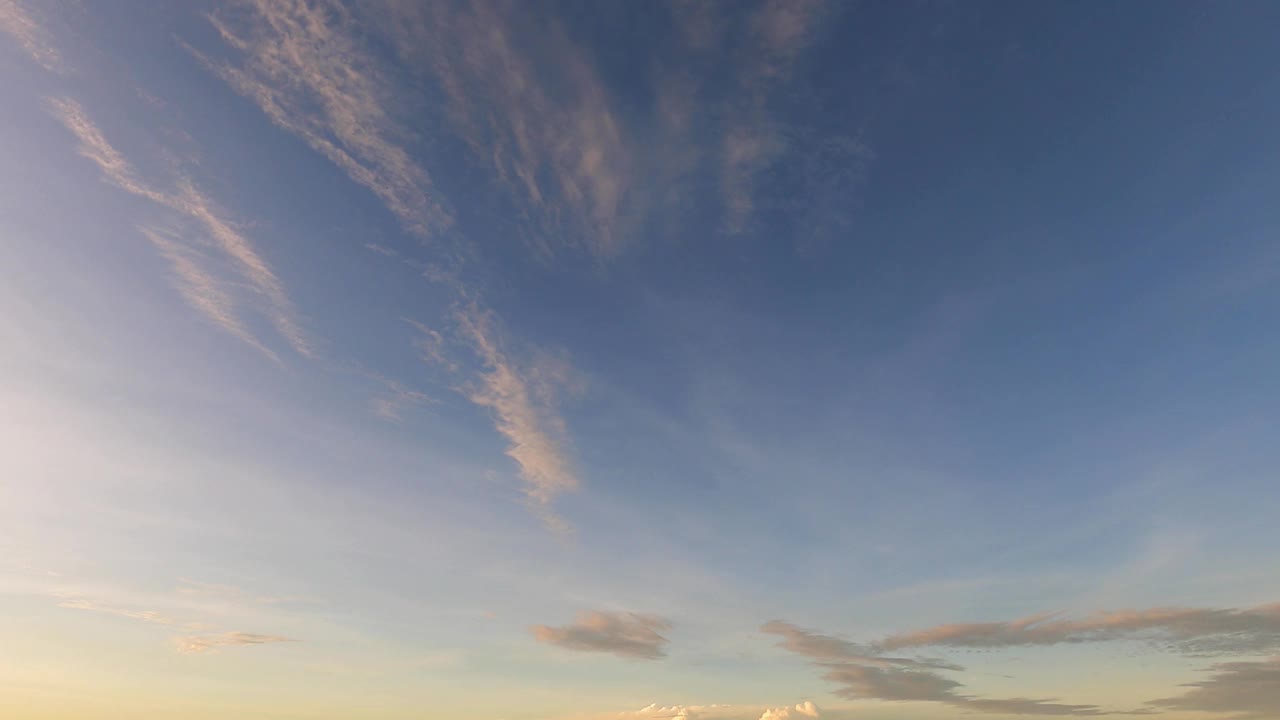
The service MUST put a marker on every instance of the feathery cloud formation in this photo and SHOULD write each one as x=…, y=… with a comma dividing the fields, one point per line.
x=523, y=405
x=628, y=635
x=196, y=283
x=304, y=66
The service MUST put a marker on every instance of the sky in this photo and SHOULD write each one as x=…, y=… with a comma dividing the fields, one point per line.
x=574, y=360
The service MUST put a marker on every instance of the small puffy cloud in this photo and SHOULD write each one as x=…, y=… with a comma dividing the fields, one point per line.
x=628, y=635
x=206, y=643
x=806, y=709
x=1245, y=689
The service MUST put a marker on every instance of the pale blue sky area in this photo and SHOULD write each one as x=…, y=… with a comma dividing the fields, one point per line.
x=779, y=359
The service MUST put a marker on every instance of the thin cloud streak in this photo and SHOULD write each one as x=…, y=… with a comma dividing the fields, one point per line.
x=627, y=635
x=207, y=643
x=524, y=413
x=1189, y=630
x=196, y=283
x=202, y=291
x=149, y=616
x=17, y=23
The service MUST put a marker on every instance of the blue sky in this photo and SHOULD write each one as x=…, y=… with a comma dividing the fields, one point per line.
x=763, y=360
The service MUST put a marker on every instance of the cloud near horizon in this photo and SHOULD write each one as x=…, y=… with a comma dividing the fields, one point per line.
x=864, y=671
x=627, y=635
x=1204, y=631
x=863, y=675
x=206, y=643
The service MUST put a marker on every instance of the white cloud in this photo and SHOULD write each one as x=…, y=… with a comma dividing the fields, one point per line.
x=805, y=709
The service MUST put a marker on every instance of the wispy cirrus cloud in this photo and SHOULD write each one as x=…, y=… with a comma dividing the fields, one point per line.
x=307, y=68
x=206, y=643
x=533, y=109
x=195, y=281
x=150, y=616
x=523, y=404
x=628, y=635
x=16, y=22
x=302, y=63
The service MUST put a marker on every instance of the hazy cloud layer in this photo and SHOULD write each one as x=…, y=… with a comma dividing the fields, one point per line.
x=195, y=280
x=628, y=635
x=1187, y=630
x=207, y=643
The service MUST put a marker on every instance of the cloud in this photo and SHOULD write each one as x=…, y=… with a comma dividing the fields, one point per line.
x=1189, y=630
x=523, y=406
x=149, y=616
x=201, y=290
x=628, y=635
x=396, y=398
x=805, y=709
x=533, y=111
x=304, y=66
x=778, y=30
x=194, y=281
x=825, y=648
x=863, y=674
x=1245, y=689
x=902, y=685
x=18, y=24
x=207, y=643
